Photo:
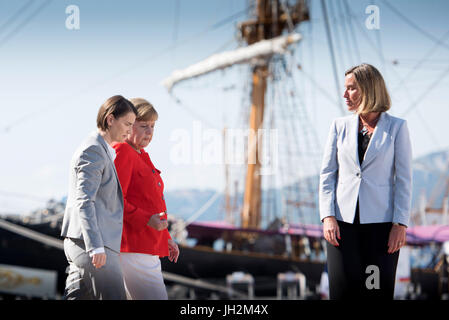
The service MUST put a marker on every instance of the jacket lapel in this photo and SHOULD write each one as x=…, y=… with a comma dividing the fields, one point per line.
x=378, y=139
x=353, y=127
x=105, y=147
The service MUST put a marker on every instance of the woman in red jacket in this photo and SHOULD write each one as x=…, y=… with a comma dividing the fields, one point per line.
x=145, y=237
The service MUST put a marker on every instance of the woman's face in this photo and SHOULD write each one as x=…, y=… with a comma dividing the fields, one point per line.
x=142, y=133
x=120, y=128
x=352, y=93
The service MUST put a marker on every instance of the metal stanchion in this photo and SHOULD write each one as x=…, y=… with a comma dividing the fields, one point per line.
x=240, y=279
x=294, y=283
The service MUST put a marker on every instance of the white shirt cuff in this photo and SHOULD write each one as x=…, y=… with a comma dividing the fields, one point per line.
x=96, y=251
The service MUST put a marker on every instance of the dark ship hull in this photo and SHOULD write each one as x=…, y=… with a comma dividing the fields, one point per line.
x=18, y=250
x=205, y=263
x=199, y=262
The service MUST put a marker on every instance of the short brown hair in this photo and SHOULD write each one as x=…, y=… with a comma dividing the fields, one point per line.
x=117, y=106
x=374, y=93
x=145, y=110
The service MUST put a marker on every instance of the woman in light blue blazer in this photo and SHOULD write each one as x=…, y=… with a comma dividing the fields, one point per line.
x=365, y=190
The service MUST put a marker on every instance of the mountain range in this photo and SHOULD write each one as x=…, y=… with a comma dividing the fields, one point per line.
x=430, y=177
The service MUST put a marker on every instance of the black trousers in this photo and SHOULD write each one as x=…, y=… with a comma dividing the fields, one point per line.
x=361, y=268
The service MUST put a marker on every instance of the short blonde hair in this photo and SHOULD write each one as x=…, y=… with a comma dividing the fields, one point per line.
x=374, y=93
x=145, y=110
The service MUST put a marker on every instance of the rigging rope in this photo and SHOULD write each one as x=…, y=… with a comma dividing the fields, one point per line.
x=92, y=86
x=31, y=234
x=414, y=25
x=16, y=15
x=27, y=20
x=331, y=49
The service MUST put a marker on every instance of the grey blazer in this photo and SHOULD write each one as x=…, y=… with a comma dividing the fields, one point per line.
x=383, y=183
x=94, y=209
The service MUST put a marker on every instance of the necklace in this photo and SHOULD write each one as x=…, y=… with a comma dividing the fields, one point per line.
x=367, y=124
x=364, y=130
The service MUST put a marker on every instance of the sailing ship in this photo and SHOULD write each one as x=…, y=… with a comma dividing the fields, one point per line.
x=253, y=244
x=266, y=232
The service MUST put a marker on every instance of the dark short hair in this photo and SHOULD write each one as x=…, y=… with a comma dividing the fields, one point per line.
x=118, y=106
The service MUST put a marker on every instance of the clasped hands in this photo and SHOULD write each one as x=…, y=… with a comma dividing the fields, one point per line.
x=156, y=222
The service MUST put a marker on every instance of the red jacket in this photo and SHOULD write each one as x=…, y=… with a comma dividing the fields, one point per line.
x=143, y=194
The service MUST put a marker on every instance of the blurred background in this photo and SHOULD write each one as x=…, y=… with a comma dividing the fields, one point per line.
x=60, y=60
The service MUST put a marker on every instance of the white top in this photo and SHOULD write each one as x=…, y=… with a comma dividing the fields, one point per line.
x=112, y=153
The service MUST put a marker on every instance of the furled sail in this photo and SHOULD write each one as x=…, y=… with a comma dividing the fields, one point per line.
x=223, y=60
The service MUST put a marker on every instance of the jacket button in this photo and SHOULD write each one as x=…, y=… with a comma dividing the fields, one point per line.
x=358, y=174
x=153, y=171
x=159, y=184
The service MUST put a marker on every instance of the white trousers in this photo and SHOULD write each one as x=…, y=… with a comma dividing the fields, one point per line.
x=142, y=275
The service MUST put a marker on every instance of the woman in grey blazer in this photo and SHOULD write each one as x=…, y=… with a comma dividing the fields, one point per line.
x=93, y=218
x=365, y=190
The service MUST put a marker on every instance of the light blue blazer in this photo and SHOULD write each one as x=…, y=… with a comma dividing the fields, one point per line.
x=383, y=183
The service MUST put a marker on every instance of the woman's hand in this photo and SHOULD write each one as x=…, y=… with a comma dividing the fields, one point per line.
x=331, y=231
x=156, y=222
x=173, y=251
x=99, y=260
x=397, y=238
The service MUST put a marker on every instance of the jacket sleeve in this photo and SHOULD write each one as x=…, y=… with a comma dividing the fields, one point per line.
x=89, y=171
x=402, y=189
x=328, y=175
x=124, y=164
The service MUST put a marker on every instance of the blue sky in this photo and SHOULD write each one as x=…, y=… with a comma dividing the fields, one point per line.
x=53, y=80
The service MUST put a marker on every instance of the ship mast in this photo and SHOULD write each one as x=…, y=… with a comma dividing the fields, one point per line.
x=264, y=37
x=272, y=17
